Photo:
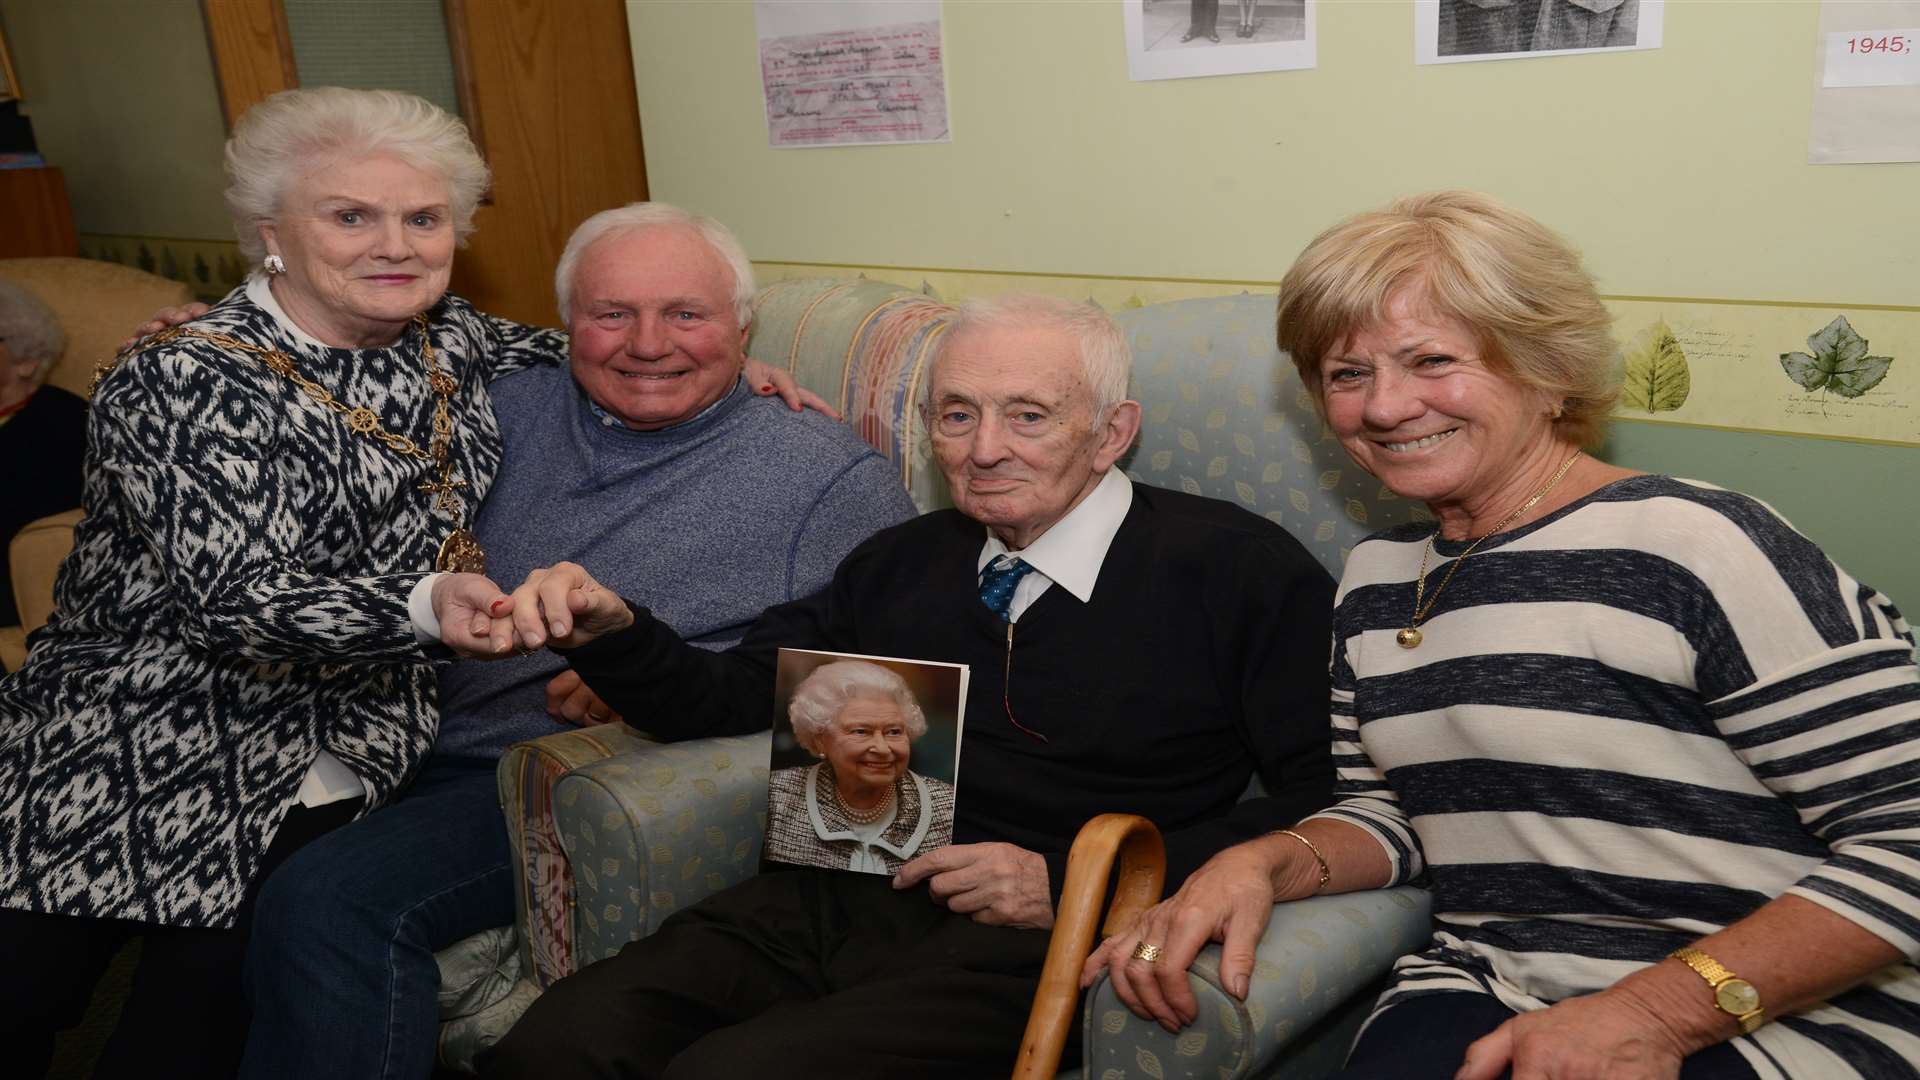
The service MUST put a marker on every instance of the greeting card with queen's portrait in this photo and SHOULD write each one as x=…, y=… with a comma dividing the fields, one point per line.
x=865, y=761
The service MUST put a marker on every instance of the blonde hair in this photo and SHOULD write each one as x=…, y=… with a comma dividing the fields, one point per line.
x=1515, y=283
x=279, y=138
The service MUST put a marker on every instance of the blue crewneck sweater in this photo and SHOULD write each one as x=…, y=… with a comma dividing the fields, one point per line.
x=708, y=523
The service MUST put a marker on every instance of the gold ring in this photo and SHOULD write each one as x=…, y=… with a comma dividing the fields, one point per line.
x=1144, y=951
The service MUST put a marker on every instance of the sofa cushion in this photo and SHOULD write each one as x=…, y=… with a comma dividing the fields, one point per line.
x=1226, y=417
x=99, y=304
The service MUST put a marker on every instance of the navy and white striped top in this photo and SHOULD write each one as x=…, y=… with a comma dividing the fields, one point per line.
x=1630, y=724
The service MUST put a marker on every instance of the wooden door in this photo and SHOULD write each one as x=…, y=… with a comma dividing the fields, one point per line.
x=552, y=102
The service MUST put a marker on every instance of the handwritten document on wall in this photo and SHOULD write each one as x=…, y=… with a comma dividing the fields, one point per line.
x=845, y=72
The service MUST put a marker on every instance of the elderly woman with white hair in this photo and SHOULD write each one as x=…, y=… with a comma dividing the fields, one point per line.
x=43, y=433
x=231, y=668
x=859, y=807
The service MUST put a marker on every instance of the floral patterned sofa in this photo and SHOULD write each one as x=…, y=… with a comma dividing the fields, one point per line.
x=615, y=832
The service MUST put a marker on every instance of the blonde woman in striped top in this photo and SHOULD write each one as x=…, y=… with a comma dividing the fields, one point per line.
x=1652, y=752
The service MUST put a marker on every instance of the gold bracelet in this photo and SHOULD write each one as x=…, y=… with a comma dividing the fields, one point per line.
x=1325, y=876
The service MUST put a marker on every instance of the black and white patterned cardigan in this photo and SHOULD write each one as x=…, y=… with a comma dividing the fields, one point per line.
x=235, y=601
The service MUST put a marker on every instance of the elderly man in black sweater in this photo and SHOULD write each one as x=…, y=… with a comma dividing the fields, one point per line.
x=1134, y=649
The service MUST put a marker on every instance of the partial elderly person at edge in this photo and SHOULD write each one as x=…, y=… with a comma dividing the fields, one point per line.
x=1654, y=751
x=231, y=668
x=1156, y=649
x=860, y=807
x=647, y=457
x=43, y=429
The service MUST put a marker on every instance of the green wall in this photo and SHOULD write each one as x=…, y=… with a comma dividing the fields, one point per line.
x=1859, y=501
x=1679, y=171
x=123, y=99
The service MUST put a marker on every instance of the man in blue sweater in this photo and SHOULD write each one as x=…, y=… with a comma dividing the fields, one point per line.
x=648, y=457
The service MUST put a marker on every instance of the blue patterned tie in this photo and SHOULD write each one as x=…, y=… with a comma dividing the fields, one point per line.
x=997, y=583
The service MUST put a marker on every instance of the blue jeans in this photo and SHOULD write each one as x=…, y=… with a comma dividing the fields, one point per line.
x=340, y=970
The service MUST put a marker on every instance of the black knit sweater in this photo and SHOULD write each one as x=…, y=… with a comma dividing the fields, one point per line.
x=1201, y=657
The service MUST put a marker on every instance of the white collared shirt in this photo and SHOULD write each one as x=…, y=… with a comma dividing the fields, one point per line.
x=328, y=779
x=1071, y=552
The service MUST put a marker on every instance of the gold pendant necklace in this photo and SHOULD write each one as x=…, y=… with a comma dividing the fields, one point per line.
x=460, y=552
x=1410, y=637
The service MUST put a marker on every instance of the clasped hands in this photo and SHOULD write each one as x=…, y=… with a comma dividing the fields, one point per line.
x=561, y=605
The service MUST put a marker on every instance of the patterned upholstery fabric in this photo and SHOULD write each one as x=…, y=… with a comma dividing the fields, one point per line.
x=1226, y=416
x=1315, y=959
x=862, y=345
x=656, y=827
x=489, y=979
x=544, y=891
x=655, y=830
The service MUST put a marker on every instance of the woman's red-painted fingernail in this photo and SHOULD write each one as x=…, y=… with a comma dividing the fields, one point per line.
x=494, y=608
x=766, y=387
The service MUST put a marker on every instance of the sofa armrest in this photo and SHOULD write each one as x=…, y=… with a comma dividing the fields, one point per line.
x=34, y=556
x=1315, y=954
x=13, y=648
x=543, y=881
x=655, y=829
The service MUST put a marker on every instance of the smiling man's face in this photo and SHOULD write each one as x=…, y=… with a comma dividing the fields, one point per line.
x=655, y=339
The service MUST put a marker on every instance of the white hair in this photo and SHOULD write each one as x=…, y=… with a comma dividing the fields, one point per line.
x=650, y=215
x=1104, y=355
x=818, y=699
x=281, y=136
x=29, y=329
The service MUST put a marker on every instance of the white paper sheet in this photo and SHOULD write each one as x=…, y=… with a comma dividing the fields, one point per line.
x=1180, y=39
x=1873, y=57
x=1866, y=103
x=1462, y=31
x=846, y=72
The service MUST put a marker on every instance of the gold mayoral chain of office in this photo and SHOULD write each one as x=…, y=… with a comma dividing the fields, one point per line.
x=460, y=552
x=1410, y=637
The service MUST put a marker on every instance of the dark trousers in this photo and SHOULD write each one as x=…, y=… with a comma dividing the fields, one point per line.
x=793, y=973
x=185, y=1016
x=1204, y=17
x=340, y=971
x=1427, y=1037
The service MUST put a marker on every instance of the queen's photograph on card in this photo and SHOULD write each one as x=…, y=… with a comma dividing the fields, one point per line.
x=864, y=752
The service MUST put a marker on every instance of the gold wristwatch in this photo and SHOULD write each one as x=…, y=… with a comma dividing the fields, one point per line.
x=1732, y=994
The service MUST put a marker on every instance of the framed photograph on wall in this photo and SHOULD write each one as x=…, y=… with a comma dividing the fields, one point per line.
x=1182, y=39
x=1455, y=31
